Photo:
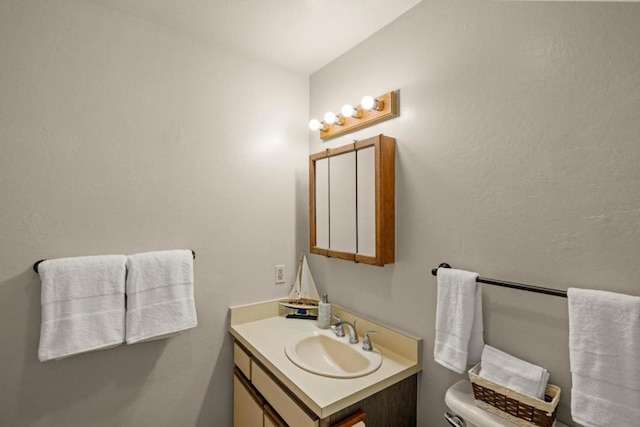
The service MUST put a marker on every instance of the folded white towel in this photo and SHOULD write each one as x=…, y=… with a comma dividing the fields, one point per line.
x=604, y=344
x=459, y=328
x=160, y=299
x=83, y=305
x=513, y=373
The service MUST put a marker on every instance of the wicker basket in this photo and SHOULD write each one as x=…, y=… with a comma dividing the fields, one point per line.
x=522, y=410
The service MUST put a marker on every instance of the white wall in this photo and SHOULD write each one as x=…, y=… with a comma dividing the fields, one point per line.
x=517, y=157
x=119, y=136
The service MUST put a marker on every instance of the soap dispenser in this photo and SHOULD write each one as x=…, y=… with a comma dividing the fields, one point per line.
x=324, y=313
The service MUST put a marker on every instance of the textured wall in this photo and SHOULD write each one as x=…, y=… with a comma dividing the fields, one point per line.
x=517, y=157
x=119, y=136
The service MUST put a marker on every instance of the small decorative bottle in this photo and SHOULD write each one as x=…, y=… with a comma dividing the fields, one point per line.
x=324, y=313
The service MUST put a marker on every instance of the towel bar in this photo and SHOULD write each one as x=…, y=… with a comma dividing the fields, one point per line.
x=37, y=263
x=512, y=285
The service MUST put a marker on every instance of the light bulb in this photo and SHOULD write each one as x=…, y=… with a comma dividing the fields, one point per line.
x=368, y=102
x=330, y=118
x=371, y=103
x=349, y=111
x=315, y=124
x=333, y=119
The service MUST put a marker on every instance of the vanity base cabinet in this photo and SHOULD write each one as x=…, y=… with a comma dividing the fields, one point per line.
x=263, y=401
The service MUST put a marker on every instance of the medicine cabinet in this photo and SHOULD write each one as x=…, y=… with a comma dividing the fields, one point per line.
x=352, y=201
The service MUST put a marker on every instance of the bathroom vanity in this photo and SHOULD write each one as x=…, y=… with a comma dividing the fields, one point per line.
x=270, y=390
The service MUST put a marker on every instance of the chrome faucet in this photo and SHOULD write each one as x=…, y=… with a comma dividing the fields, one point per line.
x=338, y=329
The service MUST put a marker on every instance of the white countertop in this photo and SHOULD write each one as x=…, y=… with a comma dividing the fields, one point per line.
x=266, y=339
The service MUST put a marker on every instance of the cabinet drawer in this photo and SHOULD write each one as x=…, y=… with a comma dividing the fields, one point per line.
x=242, y=360
x=286, y=407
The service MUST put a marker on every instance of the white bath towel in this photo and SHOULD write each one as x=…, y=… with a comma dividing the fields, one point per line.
x=160, y=299
x=83, y=305
x=459, y=330
x=513, y=373
x=604, y=349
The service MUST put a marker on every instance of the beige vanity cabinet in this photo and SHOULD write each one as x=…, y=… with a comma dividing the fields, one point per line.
x=352, y=201
x=386, y=397
x=261, y=400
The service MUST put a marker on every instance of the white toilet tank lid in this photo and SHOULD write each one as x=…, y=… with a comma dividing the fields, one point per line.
x=459, y=398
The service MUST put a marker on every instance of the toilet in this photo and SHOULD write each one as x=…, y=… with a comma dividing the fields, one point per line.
x=463, y=411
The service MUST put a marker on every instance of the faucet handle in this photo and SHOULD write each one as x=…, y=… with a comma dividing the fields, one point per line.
x=337, y=329
x=366, y=342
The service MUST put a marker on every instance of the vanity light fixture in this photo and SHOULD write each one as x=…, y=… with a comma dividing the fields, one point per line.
x=370, y=111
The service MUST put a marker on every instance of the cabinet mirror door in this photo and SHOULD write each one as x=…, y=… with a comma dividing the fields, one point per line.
x=366, y=201
x=342, y=203
x=322, y=203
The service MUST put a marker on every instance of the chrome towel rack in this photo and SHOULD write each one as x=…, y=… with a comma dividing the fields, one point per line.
x=37, y=263
x=512, y=285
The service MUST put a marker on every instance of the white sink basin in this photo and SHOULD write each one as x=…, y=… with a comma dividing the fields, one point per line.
x=324, y=354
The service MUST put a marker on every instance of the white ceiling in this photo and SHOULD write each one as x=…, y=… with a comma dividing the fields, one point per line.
x=299, y=35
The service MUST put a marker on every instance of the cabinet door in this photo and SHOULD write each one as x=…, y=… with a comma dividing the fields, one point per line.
x=366, y=201
x=342, y=203
x=247, y=403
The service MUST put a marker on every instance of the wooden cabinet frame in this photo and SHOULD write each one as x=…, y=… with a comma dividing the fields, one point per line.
x=384, y=200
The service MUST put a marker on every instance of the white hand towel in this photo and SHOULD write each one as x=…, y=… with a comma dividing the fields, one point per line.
x=604, y=344
x=513, y=373
x=459, y=328
x=160, y=299
x=83, y=305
